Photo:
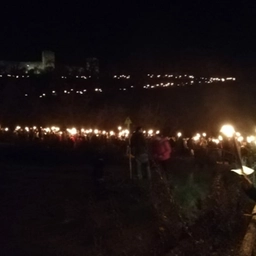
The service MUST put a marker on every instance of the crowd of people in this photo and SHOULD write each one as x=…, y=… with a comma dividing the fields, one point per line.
x=145, y=148
x=160, y=149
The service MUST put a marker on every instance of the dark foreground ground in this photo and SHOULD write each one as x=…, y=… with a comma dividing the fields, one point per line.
x=50, y=206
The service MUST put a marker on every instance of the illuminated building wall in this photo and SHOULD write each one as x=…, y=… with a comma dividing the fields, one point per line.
x=19, y=67
x=47, y=63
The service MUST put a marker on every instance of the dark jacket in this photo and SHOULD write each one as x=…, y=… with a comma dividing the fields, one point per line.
x=138, y=143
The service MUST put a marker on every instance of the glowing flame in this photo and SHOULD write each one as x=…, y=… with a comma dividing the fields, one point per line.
x=72, y=131
x=228, y=130
x=240, y=138
x=250, y=139
x=150, y=132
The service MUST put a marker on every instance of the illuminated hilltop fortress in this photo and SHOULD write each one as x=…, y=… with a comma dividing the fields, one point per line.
x=47, y=63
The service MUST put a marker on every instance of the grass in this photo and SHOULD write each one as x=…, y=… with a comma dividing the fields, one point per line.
x=59, y=212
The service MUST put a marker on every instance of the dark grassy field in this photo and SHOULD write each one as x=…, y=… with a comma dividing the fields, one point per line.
x=50, y=206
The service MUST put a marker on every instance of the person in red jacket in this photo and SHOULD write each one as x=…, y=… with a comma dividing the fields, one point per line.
x=161, y=151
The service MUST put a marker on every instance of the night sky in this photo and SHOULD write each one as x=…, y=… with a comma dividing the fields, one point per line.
x=152, y=33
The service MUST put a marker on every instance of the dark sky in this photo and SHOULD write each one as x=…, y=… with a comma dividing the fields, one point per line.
x=124, y=33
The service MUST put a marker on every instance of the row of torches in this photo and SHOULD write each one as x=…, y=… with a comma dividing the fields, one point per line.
x=226, y=130
x=120, y=132
x=124, y=133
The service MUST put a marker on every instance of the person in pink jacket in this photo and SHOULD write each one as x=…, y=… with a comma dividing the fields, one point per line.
x=161, y=151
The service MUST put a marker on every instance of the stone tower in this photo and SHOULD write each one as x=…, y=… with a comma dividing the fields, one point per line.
x=48, y=60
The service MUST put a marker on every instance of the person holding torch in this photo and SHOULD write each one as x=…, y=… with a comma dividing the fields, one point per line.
x=244, y=171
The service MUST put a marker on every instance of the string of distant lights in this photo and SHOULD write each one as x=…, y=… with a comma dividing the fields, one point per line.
x=222, y=79
x=81, y=77
x=219, y=79
x=15, y=76
x=122, y=76
x=100, y=90
x=170, y=75
x=199, y=79
x=70, y=91
x=183, y=80
x=28, y=76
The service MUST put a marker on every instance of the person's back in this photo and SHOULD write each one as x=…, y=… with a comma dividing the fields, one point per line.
x=139, y=150
x=138, y=143
x=161, y=149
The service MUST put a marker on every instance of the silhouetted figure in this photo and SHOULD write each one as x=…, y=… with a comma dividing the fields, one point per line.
x=139, y=150
x=249, y=189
